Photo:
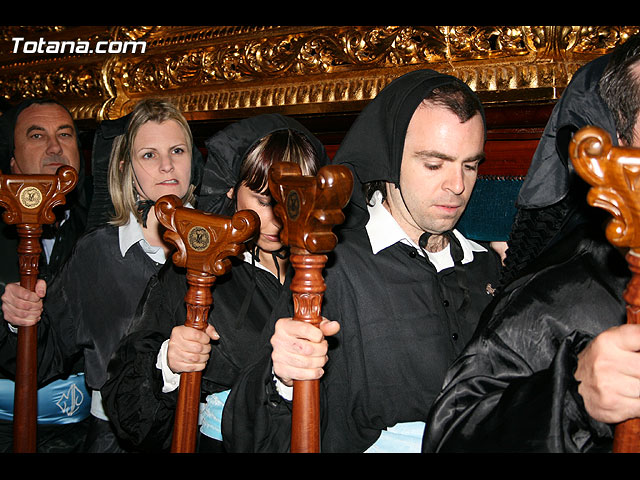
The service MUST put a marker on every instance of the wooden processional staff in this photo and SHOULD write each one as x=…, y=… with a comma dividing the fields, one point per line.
x=204, y=242
x=29, y=201
x=308, y=208
x=614, y=174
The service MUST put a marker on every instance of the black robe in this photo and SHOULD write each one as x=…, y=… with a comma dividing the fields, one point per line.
x=138, y=409
x=88, y=308
x=402, y=324
x=513, y=389
x=401, y=327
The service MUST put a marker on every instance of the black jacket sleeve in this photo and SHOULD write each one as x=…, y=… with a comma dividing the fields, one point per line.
x=139, y=411
x=515, y=409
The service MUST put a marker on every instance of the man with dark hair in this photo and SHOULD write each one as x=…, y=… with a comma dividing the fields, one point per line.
x=37, y=137
x=404, y=288
x=553, y=365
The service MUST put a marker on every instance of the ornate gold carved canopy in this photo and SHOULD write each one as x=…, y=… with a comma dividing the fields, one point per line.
x=230, y=71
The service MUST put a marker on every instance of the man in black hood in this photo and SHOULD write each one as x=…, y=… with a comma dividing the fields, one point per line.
x=404, y=288
x=37, y=137
x=551, y=367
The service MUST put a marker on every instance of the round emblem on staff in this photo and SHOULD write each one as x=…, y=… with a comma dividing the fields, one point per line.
x=199, y=238
x=30, y=197
x=293, y=205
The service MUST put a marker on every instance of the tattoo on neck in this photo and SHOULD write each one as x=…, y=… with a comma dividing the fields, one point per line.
x=436, y=243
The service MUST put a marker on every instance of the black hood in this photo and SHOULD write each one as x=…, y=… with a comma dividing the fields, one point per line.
x=228, y=148
x=548, y=178
x=373, y=147
x=552, y=201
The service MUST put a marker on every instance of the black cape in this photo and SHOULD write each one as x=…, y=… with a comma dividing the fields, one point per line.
x=513, y=387
x=242, y=301
x=402, y=324
x=88, y=307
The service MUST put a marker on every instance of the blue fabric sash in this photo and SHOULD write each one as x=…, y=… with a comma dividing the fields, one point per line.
x=401, y=438
x=211, y=415
x=61, y=401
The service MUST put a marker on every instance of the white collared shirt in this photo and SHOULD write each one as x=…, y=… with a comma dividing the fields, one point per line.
x=383, y=231
x=47, y=243
x=131, y=233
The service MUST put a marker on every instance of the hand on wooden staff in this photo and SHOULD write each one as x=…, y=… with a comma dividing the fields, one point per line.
x=300, y=349
x=609, y=367
x=189, y=348
x=308, y=207
x=609, y=375
x=22, y=307
x=29, y=201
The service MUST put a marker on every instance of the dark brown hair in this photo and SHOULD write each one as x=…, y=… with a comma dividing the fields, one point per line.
x=279, y=146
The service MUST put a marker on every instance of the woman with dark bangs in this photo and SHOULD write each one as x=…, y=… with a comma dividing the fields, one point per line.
x=141, y=392
x=252, y=190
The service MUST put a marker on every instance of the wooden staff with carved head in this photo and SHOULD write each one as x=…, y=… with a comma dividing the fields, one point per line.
x=614, y=174
x=29, y=201
x=308, y=207
x=204, y=243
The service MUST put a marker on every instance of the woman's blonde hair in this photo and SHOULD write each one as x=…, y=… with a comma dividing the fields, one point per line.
x=121, y=175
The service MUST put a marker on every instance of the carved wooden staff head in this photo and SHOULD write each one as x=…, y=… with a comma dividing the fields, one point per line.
x=614, y=174
x=309, y=207
x=204, y=241
x=30, y=199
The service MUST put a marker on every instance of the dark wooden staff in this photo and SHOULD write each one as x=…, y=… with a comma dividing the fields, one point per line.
x=614, y=174
x=29, y=201
x=308, y=208
x=203, y=244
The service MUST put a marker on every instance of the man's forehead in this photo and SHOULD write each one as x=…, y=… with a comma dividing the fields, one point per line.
x=42, y=115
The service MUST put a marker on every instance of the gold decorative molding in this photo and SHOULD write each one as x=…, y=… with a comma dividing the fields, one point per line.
x=225, y=71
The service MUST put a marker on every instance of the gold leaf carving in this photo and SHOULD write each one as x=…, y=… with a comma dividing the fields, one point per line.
x=213, y=68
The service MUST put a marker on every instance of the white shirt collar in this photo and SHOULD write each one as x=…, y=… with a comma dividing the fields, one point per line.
x=382, y=228
x=131, y=233
x=384, y=231
x=248, y=257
